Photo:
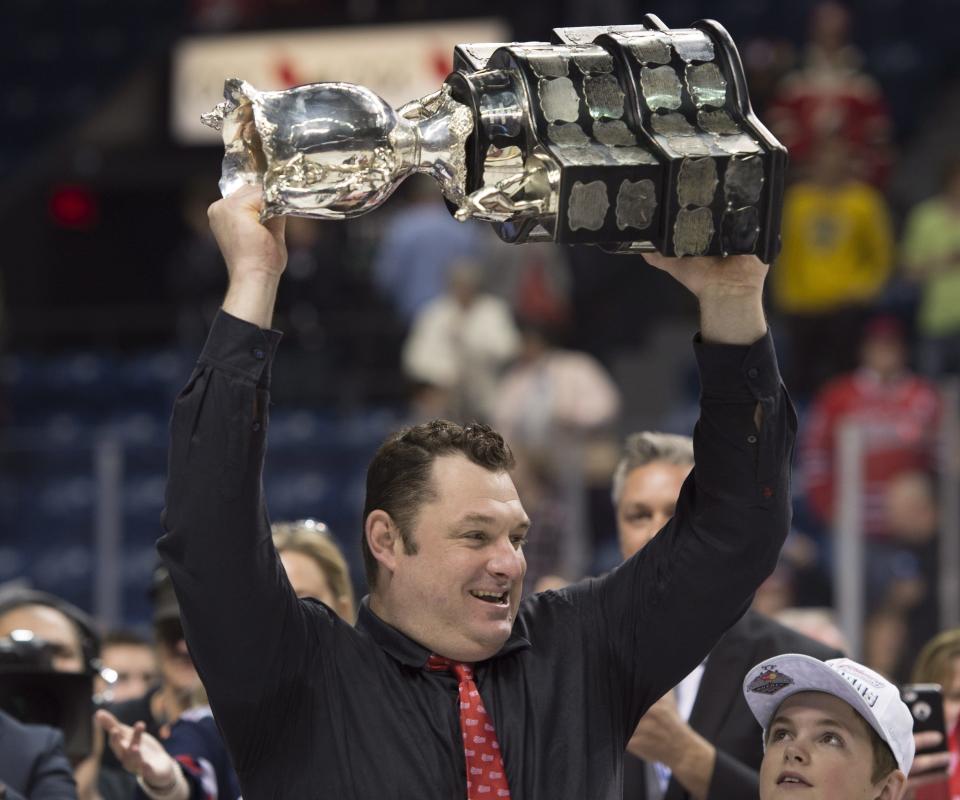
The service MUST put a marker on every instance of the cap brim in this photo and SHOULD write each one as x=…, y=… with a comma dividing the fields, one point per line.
x=807, y=674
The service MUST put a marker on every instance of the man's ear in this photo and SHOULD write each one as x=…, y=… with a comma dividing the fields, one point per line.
x=893, y=786
x=383, y=538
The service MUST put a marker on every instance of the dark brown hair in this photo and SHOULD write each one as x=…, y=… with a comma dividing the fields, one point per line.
x=399, y=478
x=883, y=761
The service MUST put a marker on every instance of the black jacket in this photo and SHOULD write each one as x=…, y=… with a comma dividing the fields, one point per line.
x=33, y=765
x=720, y=714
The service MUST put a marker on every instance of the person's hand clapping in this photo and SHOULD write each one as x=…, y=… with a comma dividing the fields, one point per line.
x=140, y=753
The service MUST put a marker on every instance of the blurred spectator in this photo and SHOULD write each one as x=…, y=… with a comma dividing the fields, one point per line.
x=134, y=662
x=939, y=662
x=315, y=565
x=931, y=257
x=830, y=95
x=767, y=60
x=70, y=634
x=553, y=404
x=192, y=761
x=535, y=280
x=177, y=689
x=799, y=578
x=776, y=593
x=459, y=344
x=837, y=256
x=33, y=765
x=420, y=244
x=897, y=411
x=901, y=574
x=913, y=523
x=74, y=646
x=549, y=512
x=819, y=624
x=692, y=743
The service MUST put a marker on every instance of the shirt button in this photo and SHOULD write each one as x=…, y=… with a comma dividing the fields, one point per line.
x=752, y=439
x=753, y=372
x=258, y=354
x=256, y=426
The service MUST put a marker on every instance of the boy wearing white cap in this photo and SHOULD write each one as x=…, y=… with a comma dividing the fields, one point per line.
x=832, y=730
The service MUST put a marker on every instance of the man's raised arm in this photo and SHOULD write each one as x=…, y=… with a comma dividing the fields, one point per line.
x=666, y=607
x=244, y=626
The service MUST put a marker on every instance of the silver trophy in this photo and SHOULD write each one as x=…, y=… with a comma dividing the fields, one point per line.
x=633, y=137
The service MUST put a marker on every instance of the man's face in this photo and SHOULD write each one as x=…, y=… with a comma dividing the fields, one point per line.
x=818, y=748
x=648, y=500
x=136, y=668
x=53, y=627
x=458, y=594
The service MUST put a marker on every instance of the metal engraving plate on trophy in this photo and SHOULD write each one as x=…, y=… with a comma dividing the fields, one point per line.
x=632, y=137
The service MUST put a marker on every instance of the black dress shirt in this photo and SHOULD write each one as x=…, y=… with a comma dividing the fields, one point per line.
x=312, y=707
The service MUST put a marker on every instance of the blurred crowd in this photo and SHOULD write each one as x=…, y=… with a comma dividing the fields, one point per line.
x=864, y=302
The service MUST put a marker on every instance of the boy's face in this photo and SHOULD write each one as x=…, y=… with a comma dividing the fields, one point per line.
x=819, y=748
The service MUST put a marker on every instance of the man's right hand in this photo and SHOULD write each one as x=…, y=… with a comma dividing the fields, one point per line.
x=255, y=254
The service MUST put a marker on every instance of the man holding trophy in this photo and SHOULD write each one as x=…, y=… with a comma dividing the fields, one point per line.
x=450, y=685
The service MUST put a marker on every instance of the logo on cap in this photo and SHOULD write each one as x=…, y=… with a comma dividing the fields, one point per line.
x=769, y=681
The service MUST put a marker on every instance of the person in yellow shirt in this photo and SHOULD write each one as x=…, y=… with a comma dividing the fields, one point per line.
x=838, y=253
x=931, y=257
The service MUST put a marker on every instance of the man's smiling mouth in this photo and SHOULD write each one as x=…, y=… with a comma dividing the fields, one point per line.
x=495, y=598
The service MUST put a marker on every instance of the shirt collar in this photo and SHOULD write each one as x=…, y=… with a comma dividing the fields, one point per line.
x=407, y=651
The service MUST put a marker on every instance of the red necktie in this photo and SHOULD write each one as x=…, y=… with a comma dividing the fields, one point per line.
x=485, y=774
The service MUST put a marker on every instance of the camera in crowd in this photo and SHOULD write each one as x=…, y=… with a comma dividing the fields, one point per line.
x=32, y=691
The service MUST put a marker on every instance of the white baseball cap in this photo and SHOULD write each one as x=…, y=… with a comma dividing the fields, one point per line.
x=871, y=695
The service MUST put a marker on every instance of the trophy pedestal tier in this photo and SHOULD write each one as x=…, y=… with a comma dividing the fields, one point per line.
x=647, y=135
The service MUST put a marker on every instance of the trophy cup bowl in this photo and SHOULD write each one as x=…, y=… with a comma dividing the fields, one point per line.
x=631, y=137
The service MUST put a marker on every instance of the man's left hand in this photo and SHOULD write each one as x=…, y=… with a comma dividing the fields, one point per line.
x=710, y=274
x=730, y=292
